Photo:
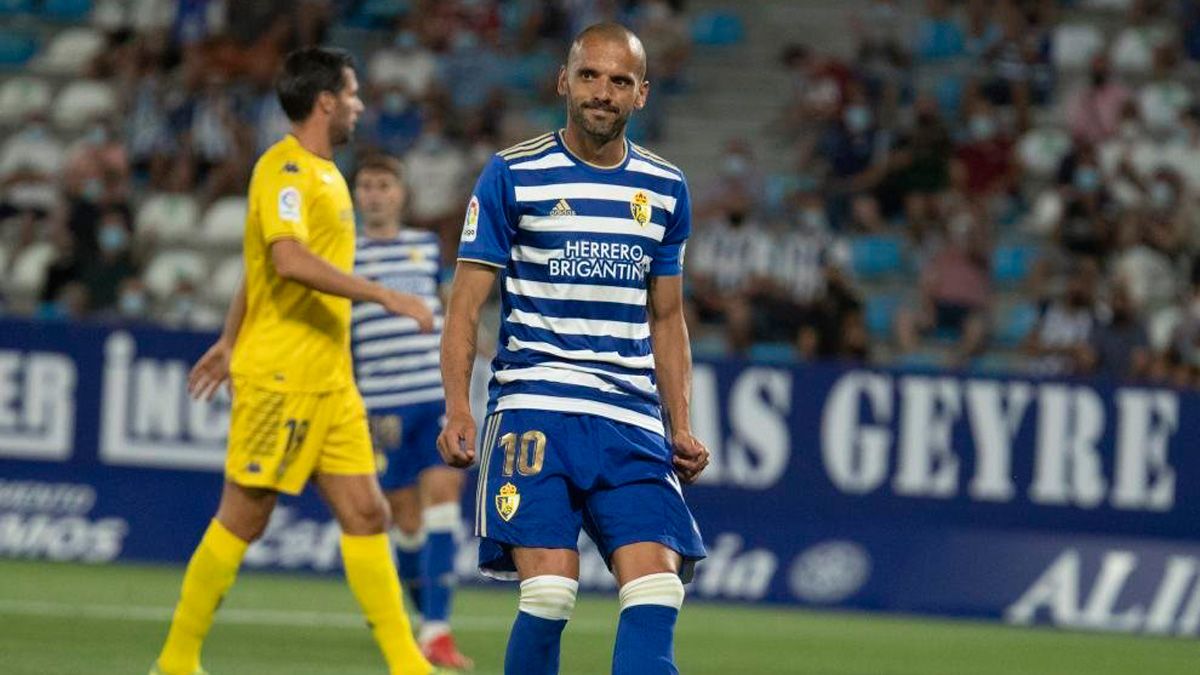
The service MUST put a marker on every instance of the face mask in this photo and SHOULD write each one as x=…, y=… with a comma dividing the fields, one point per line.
x=1161, y=194
x=112, y=238
x=857, y=118
x=132, y=304
x=465, y=41
x=1087, y=179
x=183, y=305
x=395, y=102
x=97, y=135
x=813, y=218
x=983, y=128
x=1130, y=131
x=93, y=189
x=735, y=165
x=36, y=131
x=406, y=40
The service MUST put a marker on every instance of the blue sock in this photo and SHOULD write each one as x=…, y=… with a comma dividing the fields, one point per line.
x=533, y=645
x=409, y=548
x=646, y=632
x=437, y=566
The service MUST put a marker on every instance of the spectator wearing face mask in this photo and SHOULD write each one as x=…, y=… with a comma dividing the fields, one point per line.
x=113, y=263
x=726, y=256
x=1086, y=225
x=983, y=163
x=1119, y=347
x=855, y=147
x=132, y=302
x=1060, y=342
x=393, y=124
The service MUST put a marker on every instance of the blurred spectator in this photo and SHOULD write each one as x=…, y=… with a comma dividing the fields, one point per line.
x=1094, y=110
x=1164, y=97
x=70, y=303
x=668, y=43
x=184, y=309
x=938, y=34
x=1183, y=150
x=856, y=148
x=984, y=162
x=1061, y=341
x=739, y=183
x=393, y=123
x=66, y=268
x=1133, y=49
x=1018, y=64
x=956, y=293
x=1119, y=347
x=31, y=153
x=1143, y=267
x=132, y=302
x=114, y=262
x=436, y=175
x=817, y=93
x=982, y=33
x=726, y=255
x=1086, y=224
x=406, y=65
x=920, y=165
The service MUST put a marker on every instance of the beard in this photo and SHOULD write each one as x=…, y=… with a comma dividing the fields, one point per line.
x=601, y=131
x=341, y=131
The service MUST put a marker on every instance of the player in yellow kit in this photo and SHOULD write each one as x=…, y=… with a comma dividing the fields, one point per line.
x=296, y=411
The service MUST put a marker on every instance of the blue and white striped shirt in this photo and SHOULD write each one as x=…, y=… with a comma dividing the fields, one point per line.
x=577, y=245
x=396, y=364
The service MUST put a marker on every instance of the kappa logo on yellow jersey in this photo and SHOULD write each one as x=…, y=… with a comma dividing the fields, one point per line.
x=507, y=501
x=640, y=208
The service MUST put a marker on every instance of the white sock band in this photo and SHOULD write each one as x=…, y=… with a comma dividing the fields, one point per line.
x=548, y=597
x=409, y=543
x=442, y=517
x=663, y=588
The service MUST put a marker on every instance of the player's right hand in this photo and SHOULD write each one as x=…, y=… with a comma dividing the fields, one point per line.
x=211, y=371
x=403, y=304
x=456, y=443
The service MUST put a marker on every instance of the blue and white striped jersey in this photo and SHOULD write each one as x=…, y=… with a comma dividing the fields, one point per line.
x=576, y=245
x=394, y=363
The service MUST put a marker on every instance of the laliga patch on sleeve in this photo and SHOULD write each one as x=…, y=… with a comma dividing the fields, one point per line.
x=289, y=204
x=471, y=222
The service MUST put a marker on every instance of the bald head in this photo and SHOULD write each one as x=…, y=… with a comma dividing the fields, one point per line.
x=608, y=34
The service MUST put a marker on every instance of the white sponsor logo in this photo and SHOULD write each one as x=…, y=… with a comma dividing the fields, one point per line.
x=586, y=259
x=37, y=405
x=49, y=521
x=830, y=572
x=862, y=429
x=289, y=204
x=147, y=417
x=292, y=542
x=1061, y=595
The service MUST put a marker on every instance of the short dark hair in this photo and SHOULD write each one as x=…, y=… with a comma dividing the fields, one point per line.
x=308, y=72
x=383, y=164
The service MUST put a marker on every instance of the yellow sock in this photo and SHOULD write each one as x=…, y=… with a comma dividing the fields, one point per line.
x=372, y=577
x=209, y=575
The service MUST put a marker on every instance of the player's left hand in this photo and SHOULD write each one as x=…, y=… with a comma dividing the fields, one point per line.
x=210, y=372
x=690, y=456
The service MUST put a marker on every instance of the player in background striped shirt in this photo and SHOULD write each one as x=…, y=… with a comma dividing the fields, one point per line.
x=396, y=368
x=586, y=231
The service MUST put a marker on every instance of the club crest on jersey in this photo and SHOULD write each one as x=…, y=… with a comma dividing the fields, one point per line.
x=291, y=167
x=507, y=501
x=639, y=206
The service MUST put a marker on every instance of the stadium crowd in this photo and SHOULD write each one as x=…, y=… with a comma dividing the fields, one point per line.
x=1004, y=185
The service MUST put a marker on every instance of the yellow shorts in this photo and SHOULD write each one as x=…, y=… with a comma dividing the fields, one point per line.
x=277, y=440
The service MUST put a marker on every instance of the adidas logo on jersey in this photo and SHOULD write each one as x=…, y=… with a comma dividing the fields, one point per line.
x=562, y=208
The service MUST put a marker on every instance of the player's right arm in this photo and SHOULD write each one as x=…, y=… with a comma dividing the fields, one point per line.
x=212, y=370
x=488, y=230
x=281, y=196
x=293, y=261
x=472, y=285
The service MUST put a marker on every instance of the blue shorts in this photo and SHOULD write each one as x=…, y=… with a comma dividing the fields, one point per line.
x=544, y=475
x=405, y=442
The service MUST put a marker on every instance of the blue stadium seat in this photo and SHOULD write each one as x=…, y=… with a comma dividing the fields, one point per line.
x=1012, y=263
x=16, y=48
x=15, y=7
x=66, y=10
x=718, y=28
x=773, y=352
x=378, y=13
x=881, y=314
x=1013, y=322
x=877, y=256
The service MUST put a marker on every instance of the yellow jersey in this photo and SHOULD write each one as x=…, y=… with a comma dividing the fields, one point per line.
x=292, y=337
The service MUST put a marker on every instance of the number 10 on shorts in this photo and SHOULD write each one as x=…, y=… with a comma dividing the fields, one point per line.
x=526, y=453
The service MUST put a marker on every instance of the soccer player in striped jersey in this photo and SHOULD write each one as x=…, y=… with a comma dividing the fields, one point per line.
x=396, y=366
x=586, y=231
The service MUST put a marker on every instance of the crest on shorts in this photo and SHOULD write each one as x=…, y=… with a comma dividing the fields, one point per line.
x=639, y=206
x=507, y=501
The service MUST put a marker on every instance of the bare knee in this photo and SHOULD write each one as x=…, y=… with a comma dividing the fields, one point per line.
x=366, y=516
x=245, y=511
x=405, y=510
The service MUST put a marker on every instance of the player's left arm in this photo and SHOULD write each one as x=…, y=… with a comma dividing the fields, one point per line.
x=673, y=364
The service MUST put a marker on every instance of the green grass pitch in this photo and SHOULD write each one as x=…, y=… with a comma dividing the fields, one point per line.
x=58, y=619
